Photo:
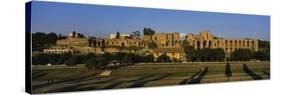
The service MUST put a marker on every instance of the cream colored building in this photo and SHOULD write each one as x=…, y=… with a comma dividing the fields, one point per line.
x=167, y=43
x=122, y=36
x=58, y=50
x=173, y=53
x=164, y=40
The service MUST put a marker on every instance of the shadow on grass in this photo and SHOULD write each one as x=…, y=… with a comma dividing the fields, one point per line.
x=142, y=82
x=50, y=82
x=38, y=75
x=185, y=80
x=198, y=78
x=251, y=73
x=266, y=73
x=118, y=83
x=34, y=73
x=228, y=72
x=71, y=88
x=79, y=86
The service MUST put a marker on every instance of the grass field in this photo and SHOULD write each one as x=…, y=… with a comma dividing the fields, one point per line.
x=78, y=78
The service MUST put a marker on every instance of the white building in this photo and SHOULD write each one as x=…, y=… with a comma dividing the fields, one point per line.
x=113, y=36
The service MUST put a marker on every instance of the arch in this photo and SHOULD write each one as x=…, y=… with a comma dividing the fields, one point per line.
x=218, y=44
x=253, y=43
x=210, y=44
x=248, y=43
x=230, y=43
x=204, y=44
x=198, y=44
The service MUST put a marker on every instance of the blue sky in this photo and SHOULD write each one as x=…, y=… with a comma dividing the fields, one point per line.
x=98, y=20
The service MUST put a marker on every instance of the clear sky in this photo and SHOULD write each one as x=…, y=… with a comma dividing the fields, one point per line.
x=100, y=21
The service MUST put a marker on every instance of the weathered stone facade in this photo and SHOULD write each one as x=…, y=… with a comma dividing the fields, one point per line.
x=206, y=40
x=167, y=43
x=164, y=40
x=175, y=54
x=73, y=40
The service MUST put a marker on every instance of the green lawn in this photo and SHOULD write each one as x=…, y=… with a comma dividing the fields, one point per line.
x=65, y=78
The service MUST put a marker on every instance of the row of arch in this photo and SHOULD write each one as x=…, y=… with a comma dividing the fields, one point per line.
x=100, y=43
x=58, y=51
x=224, y=43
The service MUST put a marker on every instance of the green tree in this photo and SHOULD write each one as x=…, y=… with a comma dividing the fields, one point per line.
x=51, y=38
x=149, y=32
x=163, y=58
x=128, y=58
x=136, y=34
x=190, y=52
x=264, y=44
x=228, y=72
x=73, y=60
x=262, y=55
x=91, y=63
x=217, y=54
x=102, y=62
x=40, y=59
x=206, y=54
x=117, y=35
x=63, y=58
x=242, y=55
x=147, y=58
x=42, y=40
x=152, y=45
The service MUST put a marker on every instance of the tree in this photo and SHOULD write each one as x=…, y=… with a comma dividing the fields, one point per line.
x=40, y=59
x=149, y=32
x=53, y=58
x=102, y=62
x=264, y=44
x=128, y=58
x=190, y=52
x=228, y=72
x=51, y=38
x=152, y=45
x=42, y=40
x=80, y=35
x=146, y=58
x=206, y=54
x=91, y=63
x=117, y=35
x=63, y=58
x=73, y=60
x=136, y=34
x=217, y=54
x=262, y=55
x=61, y=36
x=242, y=55
x=163, y=58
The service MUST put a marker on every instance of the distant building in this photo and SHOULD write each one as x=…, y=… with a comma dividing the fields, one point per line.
x=73, y=40
x=206, y=40
x=58, y=50
x=122, y=36
x=167, y=43
x=173, y=53
x=164, y=40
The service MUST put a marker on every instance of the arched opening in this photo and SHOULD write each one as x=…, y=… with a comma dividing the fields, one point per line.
x=204, y=44
x=198, y=44
x=122, y=44
x=210, y=44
